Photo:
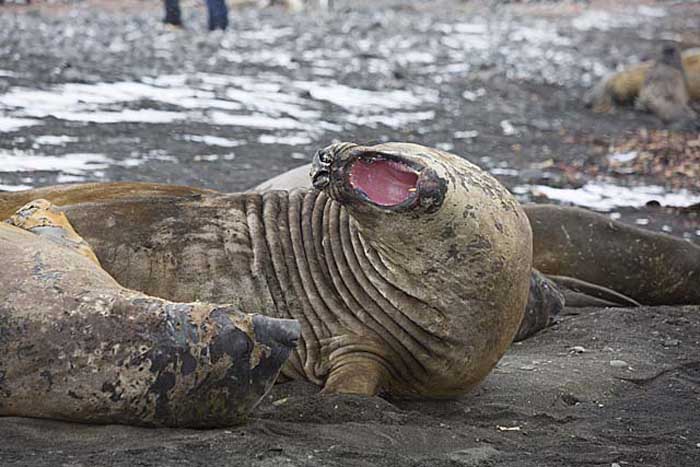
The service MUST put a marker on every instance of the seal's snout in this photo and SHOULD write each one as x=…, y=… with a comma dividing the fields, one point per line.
x=321, y=169
x=285, y=332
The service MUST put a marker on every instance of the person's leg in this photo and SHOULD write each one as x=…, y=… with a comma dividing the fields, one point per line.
x=172, y=13
x=218, y=14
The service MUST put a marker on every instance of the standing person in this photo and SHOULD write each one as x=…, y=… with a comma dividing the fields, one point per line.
x=218, y=14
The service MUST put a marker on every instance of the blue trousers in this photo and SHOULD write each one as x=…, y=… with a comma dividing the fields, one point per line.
x=218, y=13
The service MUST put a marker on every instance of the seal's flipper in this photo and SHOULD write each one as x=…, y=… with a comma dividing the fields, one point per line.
x=355, y=365
x=544, y=304
x=42, y=218
x=580, y=293
x=100, y=353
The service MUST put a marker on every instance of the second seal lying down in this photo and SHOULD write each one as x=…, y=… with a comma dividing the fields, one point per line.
x=408, y=269
x=75, y=345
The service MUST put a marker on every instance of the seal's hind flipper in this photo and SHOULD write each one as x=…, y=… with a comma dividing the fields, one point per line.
x=42, y=218
x=580, y=293
x=544, y=305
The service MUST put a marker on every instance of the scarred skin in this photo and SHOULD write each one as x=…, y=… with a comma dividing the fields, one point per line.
x=77, y=346
x=417, y=300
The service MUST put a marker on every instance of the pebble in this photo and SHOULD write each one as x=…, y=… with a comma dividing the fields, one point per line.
x=578, y=349
x=618, y=363
x=508, y=428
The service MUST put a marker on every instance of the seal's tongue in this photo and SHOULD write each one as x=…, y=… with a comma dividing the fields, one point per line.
x=386, y=183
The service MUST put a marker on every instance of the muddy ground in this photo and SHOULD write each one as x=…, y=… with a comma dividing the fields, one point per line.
x=100, y=91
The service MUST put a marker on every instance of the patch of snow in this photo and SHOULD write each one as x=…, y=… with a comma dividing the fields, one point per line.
x=470, y=28
x=214, y=157
x=394, y=120
x=543, y=33
x=291, y=140
x=606, y=196
x=256, y=121
x=14, y=187
x=67, y=178
x=52, y=140
x=213, y=140
x=594, y=19
x=8, y=124
x=20, y=161
x=508, y=128
x=357, y=100
x=503, y=171
x=653, y=12
x=623, y=157
x=468, y=134
x=122, y=116
x=415, y=56
x=471, y=96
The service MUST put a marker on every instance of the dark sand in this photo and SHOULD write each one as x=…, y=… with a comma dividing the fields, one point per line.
x=553, y=400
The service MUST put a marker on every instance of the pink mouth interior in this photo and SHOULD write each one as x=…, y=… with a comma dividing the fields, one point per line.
x=386, y=183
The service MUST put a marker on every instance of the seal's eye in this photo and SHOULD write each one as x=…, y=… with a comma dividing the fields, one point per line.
x=324, y=157
x=385, y=183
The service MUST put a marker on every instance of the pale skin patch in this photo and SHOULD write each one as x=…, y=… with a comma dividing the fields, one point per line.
x=260, y=351
x=42, y=218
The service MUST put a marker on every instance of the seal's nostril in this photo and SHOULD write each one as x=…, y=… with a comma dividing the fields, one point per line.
x=321, y=180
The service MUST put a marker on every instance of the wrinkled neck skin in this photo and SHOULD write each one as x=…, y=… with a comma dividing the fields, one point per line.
x=458, y=246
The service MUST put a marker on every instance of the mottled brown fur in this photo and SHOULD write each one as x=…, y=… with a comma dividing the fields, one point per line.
x=664, y=91
x=623, y=88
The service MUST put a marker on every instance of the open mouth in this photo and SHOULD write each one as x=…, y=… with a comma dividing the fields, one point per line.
x=383, y=182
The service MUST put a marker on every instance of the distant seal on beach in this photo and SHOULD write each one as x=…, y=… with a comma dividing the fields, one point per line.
x=664, y=91
x=407, y=267
x=589, y=258
x=77, y=346
x=624, y=87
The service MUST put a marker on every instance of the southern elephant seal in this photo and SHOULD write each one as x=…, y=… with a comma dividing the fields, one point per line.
x=409, y=270
x=623, y=88
x=664, y=91
x=75, y=345
x=591, y=258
